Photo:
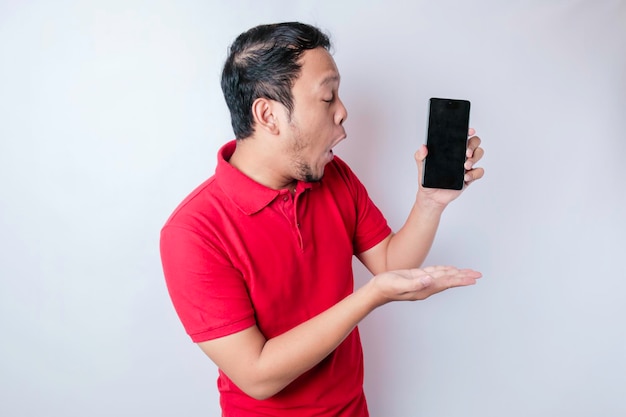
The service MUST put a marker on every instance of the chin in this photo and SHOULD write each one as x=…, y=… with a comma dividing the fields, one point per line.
x=313, y=178
x=311, y=173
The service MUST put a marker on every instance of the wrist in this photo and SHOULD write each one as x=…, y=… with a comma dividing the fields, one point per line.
x=427, y=204
x=372, y=295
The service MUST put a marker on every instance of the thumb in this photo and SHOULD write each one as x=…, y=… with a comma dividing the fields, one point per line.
x=419, y=283
x=425, y=281
x=420, y=155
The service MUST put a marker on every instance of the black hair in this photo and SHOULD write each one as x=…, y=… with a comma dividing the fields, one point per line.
x=263, y=62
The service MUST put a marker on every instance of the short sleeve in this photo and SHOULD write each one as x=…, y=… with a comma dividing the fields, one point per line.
x=371, y=225
x=208, y=293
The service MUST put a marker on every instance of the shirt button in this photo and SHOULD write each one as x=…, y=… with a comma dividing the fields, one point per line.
x=285, y=198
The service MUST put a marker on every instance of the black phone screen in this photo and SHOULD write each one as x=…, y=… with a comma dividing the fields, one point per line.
x=448, y=123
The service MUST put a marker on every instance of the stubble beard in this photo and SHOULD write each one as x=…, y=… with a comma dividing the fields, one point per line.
x=304, y=171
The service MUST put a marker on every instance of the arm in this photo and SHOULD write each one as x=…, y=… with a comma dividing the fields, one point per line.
x=261, y=367
x=409, y=246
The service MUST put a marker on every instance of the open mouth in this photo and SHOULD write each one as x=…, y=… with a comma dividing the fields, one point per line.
x=330, y=151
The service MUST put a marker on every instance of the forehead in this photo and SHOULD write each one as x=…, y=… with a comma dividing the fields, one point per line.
x=318, y=70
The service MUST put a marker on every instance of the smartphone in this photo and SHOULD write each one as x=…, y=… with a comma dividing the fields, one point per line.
x=448, y=123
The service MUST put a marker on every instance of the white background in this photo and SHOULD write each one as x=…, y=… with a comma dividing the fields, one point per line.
x=111, y=112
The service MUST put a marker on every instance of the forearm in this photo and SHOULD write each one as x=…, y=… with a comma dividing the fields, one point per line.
x=282, y=359
x=261, y=368
x=410, y=245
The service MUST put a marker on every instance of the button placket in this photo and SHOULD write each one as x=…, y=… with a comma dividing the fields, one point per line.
x=288, y=209
x=297, y=199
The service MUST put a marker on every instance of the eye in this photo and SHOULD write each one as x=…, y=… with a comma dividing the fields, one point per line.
x=329, y=100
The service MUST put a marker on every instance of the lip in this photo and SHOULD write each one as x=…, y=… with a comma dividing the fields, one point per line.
x=330, y=154
x=339, y=139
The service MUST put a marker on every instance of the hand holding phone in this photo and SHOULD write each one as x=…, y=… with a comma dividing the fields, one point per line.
x=448, y=124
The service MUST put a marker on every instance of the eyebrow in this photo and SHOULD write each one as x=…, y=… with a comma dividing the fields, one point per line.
x=330, y=79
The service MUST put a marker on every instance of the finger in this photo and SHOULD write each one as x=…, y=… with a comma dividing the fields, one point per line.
x=471, y=273
x=476, y=156
x=440, y=278
x=460, y=281
x=472, y=144
x=457, y=274
x=471, y=132
x=473, y=175
x=462, y=278
x=421, y=153
x=439, y=269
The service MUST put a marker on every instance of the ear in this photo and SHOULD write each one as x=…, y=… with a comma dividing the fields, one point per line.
x=264, y=112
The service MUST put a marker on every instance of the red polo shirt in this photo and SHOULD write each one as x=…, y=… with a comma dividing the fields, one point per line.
x=236, y=253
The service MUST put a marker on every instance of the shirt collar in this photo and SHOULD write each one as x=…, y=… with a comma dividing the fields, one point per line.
x=247, y=194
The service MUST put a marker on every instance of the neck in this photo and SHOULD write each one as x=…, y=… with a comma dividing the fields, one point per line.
x=260, y=163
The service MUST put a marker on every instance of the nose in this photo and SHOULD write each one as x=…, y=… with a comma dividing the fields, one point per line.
x=341, y=114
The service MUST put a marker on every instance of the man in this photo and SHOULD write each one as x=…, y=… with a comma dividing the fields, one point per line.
x=258, y=259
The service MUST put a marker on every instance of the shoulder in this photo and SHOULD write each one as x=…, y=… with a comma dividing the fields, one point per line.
x=339, y=169
x=339, y=173
x=198, y=204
